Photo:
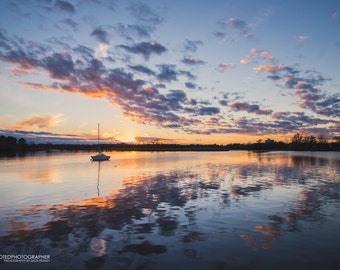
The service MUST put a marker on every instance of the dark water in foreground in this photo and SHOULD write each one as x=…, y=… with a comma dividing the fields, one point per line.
x=177, y=210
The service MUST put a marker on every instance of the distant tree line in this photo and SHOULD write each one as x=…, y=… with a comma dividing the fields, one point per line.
x=10, y=146
x=299, y=142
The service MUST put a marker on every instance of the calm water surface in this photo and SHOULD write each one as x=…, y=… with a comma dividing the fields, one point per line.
x=164, y=210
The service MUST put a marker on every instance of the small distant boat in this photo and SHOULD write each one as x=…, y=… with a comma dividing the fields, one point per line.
x=100, y=156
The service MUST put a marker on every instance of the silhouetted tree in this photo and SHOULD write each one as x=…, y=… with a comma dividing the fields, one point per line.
x=22, y=141
x=309, y=139
x=297, y=138
x=322, y=139
x=336, y=139
x=11, y=142
x=2, y=142
x=22, y=145
x=269, y=141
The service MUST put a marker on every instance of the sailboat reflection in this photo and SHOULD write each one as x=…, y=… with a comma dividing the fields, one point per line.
x=98, y=177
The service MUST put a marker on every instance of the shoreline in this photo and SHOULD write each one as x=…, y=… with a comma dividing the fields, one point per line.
x=257, y=147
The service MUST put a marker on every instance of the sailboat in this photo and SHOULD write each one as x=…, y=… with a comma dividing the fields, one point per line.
x=100, y=156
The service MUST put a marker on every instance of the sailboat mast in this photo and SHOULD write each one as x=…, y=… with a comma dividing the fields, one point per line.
x=98, y=139
x=100, y=156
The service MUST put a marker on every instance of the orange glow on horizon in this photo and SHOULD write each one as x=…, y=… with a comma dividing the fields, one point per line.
x=129, y=138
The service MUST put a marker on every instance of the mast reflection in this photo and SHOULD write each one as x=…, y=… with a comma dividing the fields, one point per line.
x=98, y=177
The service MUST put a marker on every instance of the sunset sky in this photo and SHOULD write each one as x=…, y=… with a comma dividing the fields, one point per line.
x=184, y=71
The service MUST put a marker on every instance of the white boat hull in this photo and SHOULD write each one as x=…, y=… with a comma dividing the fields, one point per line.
x=100, y=157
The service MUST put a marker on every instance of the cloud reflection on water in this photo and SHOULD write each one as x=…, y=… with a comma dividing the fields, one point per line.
x=181, y=212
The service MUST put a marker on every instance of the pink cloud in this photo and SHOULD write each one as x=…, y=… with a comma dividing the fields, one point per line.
x=266, y=55
x=37, y=122
x=257, y=54
x=269, y=68
x=301, y=85
x=20, y=70
x=225, y=66
x=244, y=61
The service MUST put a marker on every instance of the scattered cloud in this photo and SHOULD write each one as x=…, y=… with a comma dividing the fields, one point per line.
x=101, y=50
x=225, y=66
x=142, y=69
x=223, y=102
x=130, y=32
x=192, y=62
x=265, y=55
x=167, y=73
x=146, y=21
x=295, y=120
x=256, y=55
x=190, y=85
x=192, y=45
x=238, y=25
x=269, y=68
x=59, y=65
x=302, y=38
x=262, y=16
x=145, y=48
x=245, y=61
x=18, y=71
x=148, y=140
x=208, y=110
x=219, y=34
x=244, y=106
x=84, y=52
x=46, y=137
x=64, y=6
x=101, y=35
x=305, y=87
x=336, y=15
x=37, y=122
x=338, y=45
x=188, y=74
x=71, y=23
x=143, y=13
